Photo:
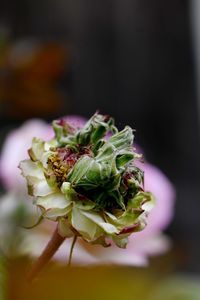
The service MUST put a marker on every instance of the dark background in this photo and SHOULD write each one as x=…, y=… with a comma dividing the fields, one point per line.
x=132, y=59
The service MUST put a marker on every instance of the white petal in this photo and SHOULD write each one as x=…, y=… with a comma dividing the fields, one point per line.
x=49, y=144
x=30, y=168
x=82, y=224
x=44, y=159
x=39, y=187
x=54, y=213
x=96, y=218
x=64, y=228
x=111, y=216
x=55, y=200
x=37, y=148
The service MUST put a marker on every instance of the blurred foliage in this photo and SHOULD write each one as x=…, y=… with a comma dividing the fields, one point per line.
x=3, y=277
x=13, y=216
x=178, y=287
x=56, y=282
x=29, y=75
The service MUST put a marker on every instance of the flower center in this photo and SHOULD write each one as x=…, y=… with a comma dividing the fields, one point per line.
x=62, y=161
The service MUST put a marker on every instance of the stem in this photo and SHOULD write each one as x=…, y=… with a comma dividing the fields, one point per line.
x=46, y=255
x=71, y=250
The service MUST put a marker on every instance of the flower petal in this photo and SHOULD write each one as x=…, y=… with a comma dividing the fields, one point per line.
x=53, y=201
x=37, y=149
x=37, y=187
x=30, y=168
x=96, y=218
x=83, y=224
x=55, y=213
x=64, y=228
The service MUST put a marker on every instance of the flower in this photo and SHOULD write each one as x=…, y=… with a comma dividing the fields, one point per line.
x=150, y=241
x=88, y=184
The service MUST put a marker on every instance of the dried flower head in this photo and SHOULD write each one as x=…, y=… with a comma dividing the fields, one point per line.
x=87, y=181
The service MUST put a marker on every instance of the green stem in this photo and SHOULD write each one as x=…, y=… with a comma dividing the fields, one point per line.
x=71, y=250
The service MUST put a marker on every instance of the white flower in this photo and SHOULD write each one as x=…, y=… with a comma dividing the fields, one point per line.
x=143, y=244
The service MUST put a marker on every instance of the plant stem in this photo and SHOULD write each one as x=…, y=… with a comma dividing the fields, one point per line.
x=71, y=250
x=46, y=255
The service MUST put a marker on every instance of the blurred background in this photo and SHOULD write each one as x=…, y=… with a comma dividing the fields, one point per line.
x=136, y=60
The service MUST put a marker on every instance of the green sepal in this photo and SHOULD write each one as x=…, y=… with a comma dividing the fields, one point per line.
x=95, y=129
x=120, y=242
x=40, y=219
x=123, y=159
x=140, y=199
x=101, y=241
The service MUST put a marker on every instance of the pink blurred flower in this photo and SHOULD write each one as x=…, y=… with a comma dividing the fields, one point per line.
x=15, y=148
x=151, y=241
